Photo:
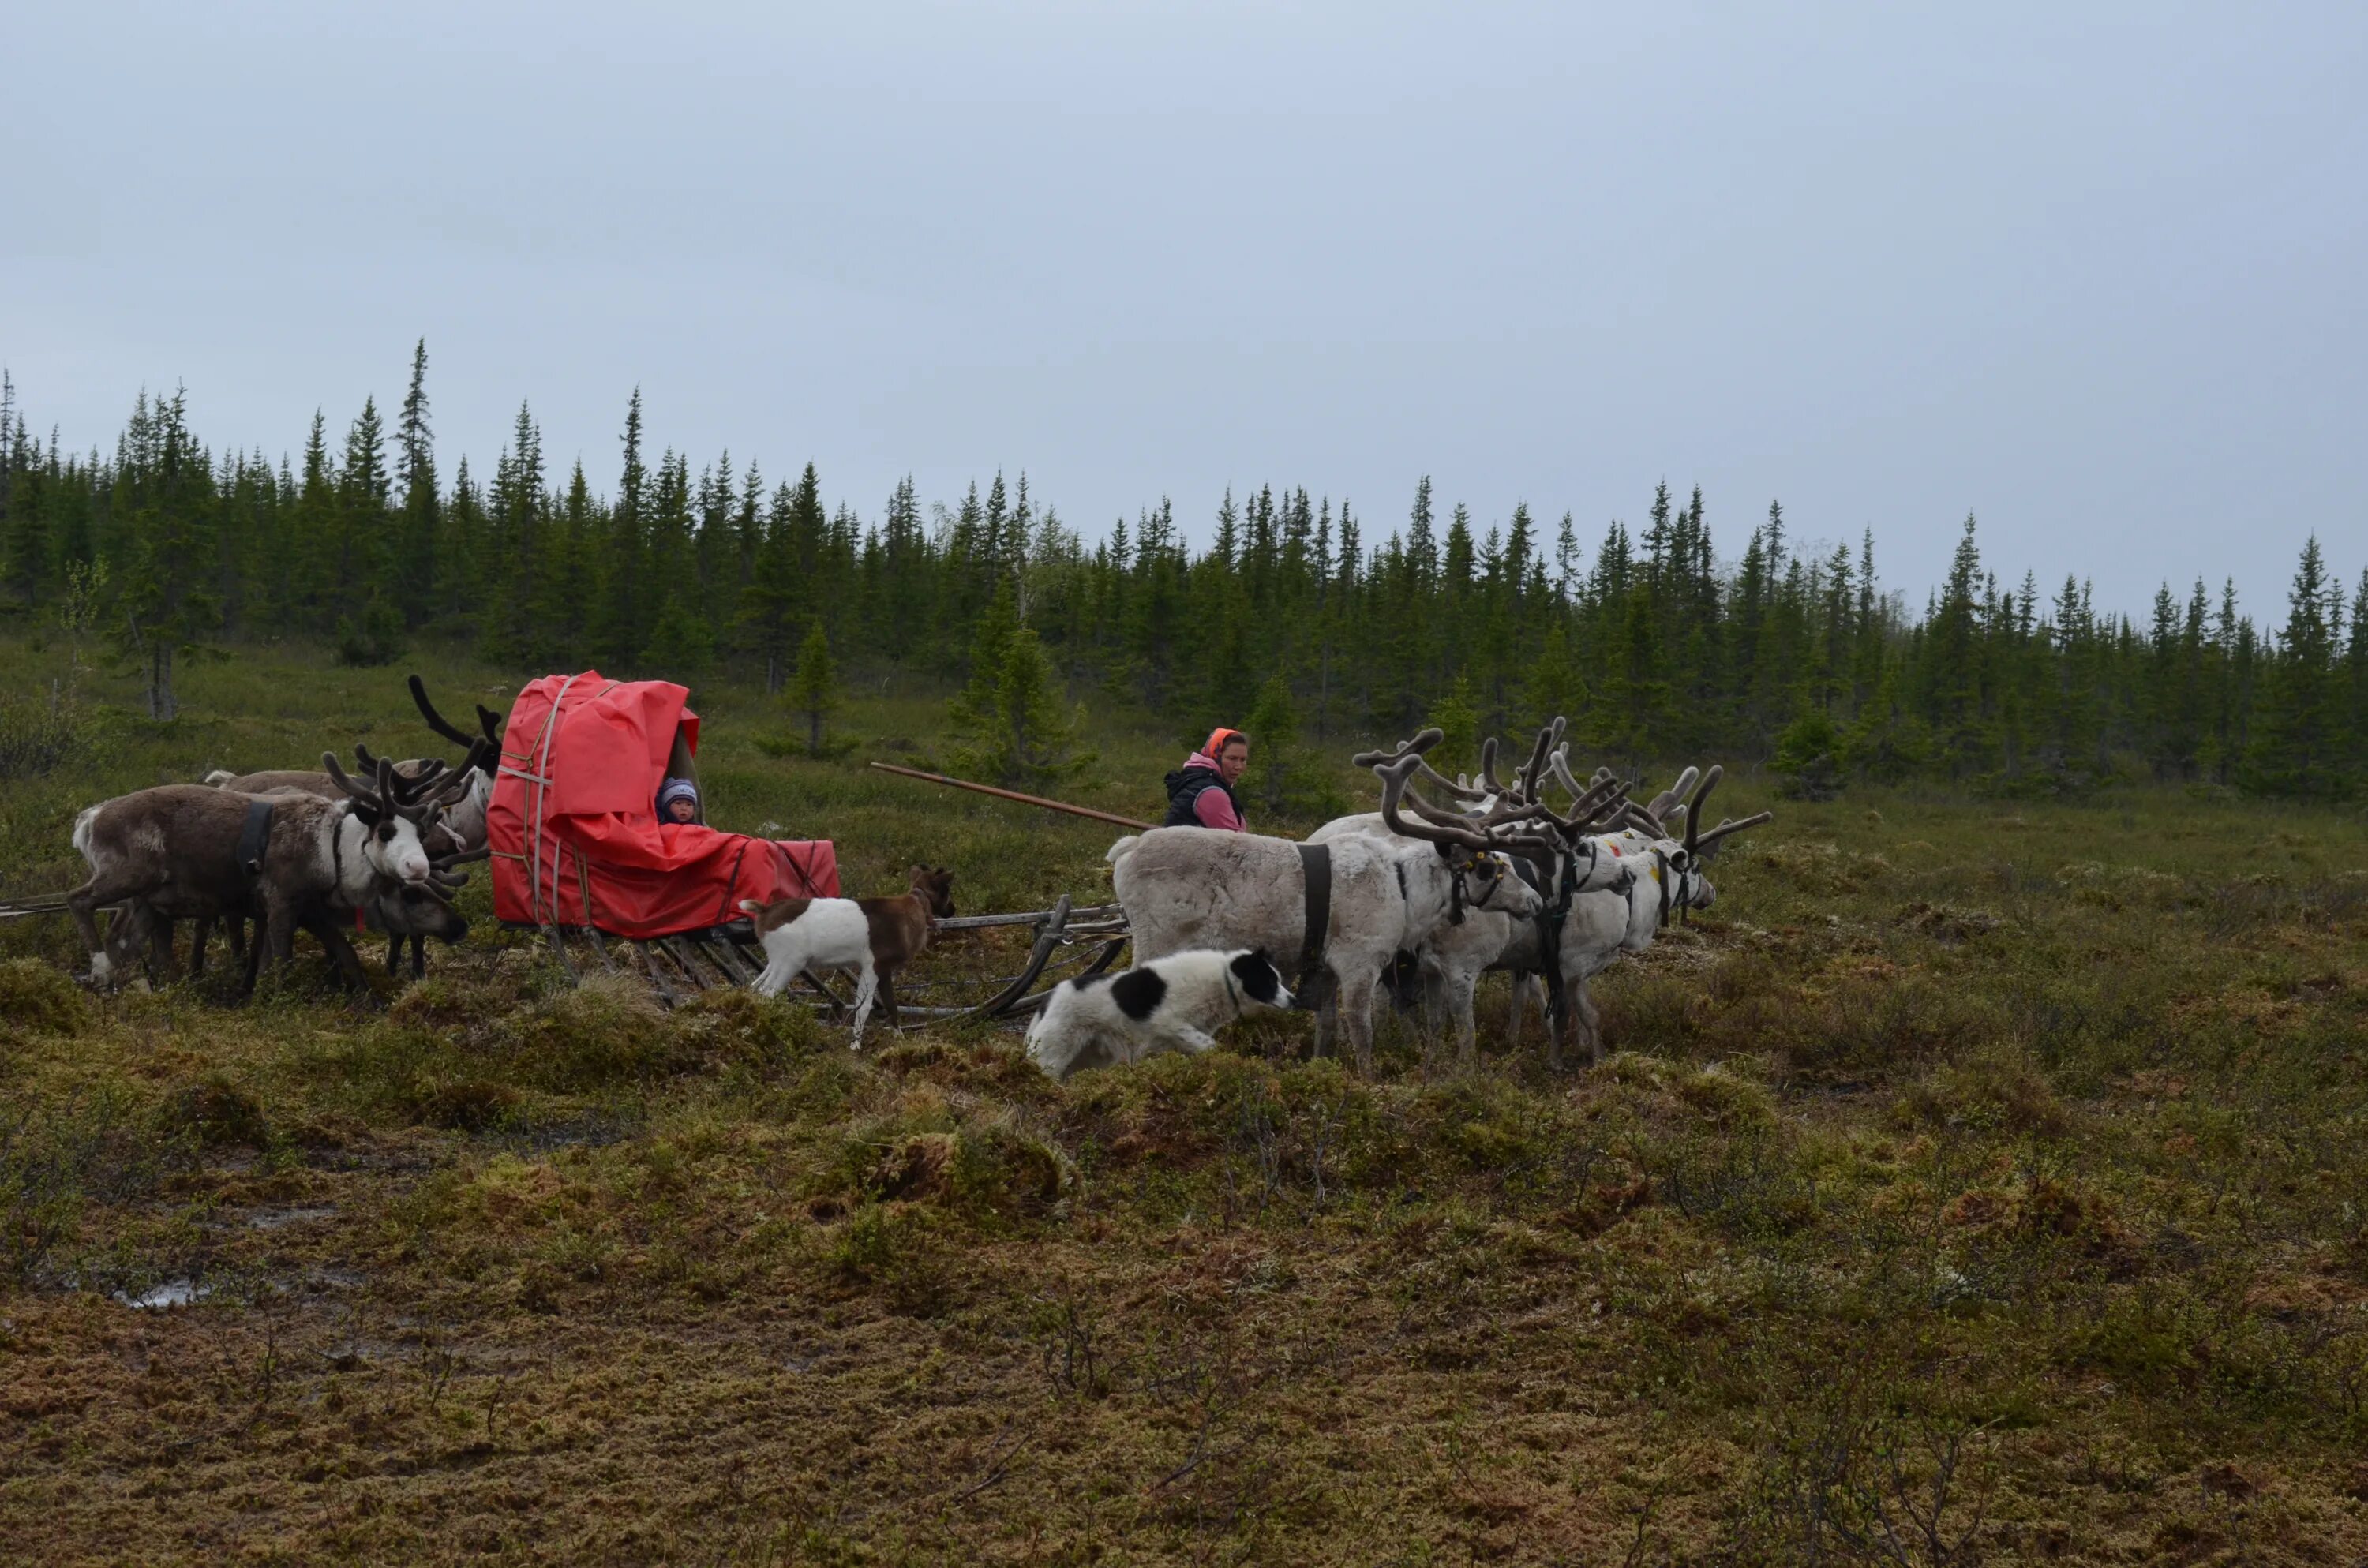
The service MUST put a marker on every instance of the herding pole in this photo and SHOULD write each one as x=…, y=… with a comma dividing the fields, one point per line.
x=1013, y=795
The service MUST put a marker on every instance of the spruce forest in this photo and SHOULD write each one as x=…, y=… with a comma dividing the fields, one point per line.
x=1660, y=639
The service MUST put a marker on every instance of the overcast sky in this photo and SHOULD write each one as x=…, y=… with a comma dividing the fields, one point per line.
x=2091, y=271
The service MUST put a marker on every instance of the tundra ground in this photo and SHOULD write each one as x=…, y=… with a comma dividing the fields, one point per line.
x=1975, y=1184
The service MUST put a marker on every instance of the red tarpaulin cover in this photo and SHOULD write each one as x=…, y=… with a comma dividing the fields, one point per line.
x=573, y=823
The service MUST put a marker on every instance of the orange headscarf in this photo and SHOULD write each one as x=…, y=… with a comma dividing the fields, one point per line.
x=1218, y=737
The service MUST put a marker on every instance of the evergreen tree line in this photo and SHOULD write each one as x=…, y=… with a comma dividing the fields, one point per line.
x=1297, y=610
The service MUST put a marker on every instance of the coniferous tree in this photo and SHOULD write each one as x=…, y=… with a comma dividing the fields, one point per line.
x=1012, y=722
x=415, y=471
x=621, y=628
x=2294, y=749
x=166, y=601
x=814, y=690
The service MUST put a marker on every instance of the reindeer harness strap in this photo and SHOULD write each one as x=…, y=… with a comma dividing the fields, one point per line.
x=1316, y=865
x=1553, y=912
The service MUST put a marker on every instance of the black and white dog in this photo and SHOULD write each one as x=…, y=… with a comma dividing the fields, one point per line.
x=1170, y=1003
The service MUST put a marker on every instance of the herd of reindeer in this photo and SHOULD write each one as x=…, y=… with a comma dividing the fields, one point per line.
x=1424, y=898
x=1416, y=900
x=288, y=849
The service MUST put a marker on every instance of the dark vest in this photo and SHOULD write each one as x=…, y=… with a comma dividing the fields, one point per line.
x=1184, y=787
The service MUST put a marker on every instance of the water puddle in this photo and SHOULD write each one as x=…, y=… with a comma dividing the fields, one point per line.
x=171, y=1294
x=273, y=1218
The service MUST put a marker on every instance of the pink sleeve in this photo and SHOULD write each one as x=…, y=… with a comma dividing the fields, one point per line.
x=1215, y=809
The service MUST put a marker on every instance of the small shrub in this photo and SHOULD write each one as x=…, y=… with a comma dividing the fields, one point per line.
x=2139, y=1338
x=1998, y=1088
x=216, y=1111
x=39, y=998
x=914, y=1167
x=895, y=1250
x=998, y=1170
x=739, y=1028
x=374, y=640
x=37, y=738
x=606, y=1029
x=54, y=1161
x=470, y=1104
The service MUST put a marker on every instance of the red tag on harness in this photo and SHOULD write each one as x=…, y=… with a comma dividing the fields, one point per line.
x=358, y=927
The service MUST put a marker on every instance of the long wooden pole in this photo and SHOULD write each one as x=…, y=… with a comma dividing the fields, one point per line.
x=1013, y=795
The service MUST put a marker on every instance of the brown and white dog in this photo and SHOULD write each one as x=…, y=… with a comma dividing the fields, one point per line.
x=874, y=936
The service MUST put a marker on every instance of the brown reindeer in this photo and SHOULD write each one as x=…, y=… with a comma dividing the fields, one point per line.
x=456, y=835
x=874, y=936
x=176, y=852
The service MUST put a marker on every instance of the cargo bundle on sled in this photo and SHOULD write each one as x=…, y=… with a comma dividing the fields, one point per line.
x=579, y=849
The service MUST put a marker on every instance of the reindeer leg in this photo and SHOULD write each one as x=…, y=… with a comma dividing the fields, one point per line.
x=279, y=922
x=1461, y=998
x=867, y=987
x=342, y=956
x=199, y=935
x=394, y=955
x=1357, y=1018
x=1590, y=1021
x=418, y=956
x=1563, y=1030
x=1328, y=1010
x=254, y=955
x=888, y=997
x=83, y=904
x=155, y=935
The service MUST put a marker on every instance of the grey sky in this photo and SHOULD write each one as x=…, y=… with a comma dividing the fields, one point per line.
x=2091, y=271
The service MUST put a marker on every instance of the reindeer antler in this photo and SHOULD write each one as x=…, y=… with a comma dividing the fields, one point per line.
x=1549, y=736
x=375, y=799
x=1422, y=742
x=1708, y=842
x=455, y=784
x=1668, y=797
x=436, y=722
x=407, y=791
x=1488, y=767
x=1443, y=827
x=1604, y=796
x=1694, y=806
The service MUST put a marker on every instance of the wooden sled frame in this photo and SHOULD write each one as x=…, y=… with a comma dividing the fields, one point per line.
x=687, y=963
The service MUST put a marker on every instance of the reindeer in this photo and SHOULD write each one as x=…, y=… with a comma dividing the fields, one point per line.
x=874, y=937
x=465, y=817
x=174, y=849
x=1599, y=927
x=1449, y=962
x=413, y=781
x=1188, y=887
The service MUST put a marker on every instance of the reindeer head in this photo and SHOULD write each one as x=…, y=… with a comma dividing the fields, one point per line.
x=391, y=846
x=1475, y=850
x=1689, y=888
x=406, y=909
x=933, y=887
